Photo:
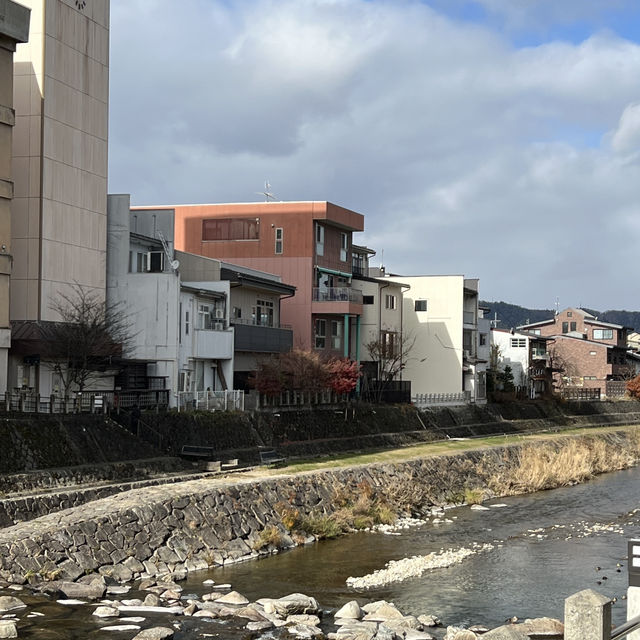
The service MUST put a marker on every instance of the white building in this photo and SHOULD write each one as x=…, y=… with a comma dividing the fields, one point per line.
x=179, y=307
x=526, y=354
x=440, y=313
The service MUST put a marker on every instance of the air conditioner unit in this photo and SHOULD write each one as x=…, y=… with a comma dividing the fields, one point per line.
x=218, y=326
x=466, y=353
x=220, y=314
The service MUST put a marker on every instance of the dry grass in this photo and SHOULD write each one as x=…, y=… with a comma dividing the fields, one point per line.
x=269, y=536
x=545, y=465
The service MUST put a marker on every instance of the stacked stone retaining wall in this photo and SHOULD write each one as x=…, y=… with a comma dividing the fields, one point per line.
x=195, y=524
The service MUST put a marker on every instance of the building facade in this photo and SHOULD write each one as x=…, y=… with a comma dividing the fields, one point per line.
x=307, y=244
x=440, y=317
x=586, y=353
x=14, y=29
x=59, y=215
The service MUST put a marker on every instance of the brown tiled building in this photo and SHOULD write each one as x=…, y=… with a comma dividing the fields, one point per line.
x=586, y=353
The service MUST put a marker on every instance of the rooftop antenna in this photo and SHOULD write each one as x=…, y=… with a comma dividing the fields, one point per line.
x=557, y=305
x=268, y=196
x=495, y=320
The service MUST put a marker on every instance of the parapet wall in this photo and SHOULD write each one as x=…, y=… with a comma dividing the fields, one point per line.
x=195, y=524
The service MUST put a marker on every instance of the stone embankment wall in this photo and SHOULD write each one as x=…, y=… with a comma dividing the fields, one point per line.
x=48, y=441
x=195, y=524
x=70, y=487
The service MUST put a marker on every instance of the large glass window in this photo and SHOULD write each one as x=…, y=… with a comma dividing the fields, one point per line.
x=344, y=246
x=263, y=313
x=321, y=333
x=336, y=334
x=603, y=334
x=319, y=240
x=231, y=229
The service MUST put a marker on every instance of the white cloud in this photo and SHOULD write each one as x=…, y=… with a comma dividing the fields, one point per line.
x=465, y=154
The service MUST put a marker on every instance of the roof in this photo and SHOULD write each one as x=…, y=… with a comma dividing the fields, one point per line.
x=527, y=334
x=240, y=276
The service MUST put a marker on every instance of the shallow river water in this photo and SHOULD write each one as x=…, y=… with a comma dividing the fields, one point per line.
x=546, y=547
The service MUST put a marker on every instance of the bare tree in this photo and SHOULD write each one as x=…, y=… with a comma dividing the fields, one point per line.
x=391, y=351
x=91, y=336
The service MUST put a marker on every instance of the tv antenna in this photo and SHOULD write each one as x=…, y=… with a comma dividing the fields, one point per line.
x=174, y=264
x=268, y=196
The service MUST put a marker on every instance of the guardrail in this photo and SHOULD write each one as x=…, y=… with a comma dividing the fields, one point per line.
x=433, y=399
x=337, y=294
x=229, y=400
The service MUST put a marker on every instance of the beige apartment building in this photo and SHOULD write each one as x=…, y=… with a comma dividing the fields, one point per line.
x=14, y=28
x=59, y=212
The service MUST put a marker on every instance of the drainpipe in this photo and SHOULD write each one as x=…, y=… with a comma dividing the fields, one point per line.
x=384, y=286
x=407, y=287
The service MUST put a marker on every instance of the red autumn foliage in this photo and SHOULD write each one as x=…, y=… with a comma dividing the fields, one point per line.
x=300, y=370
x=633, y=387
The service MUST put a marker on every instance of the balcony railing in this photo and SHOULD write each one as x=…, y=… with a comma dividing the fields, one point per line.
x=253, y=323
x=539, y=353
x=337, y=294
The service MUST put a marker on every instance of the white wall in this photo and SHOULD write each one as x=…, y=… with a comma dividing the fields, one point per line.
x=515, y=357
x=435, y=364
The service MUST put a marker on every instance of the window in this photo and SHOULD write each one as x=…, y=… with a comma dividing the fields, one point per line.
x=572, y=326
x=603, y=334
x=230, y=229
x=518, y=343
x=204, y=316
x=389, y=301
x=367, y=300
x=344, y=246
x=593, y=353
x=388, y=339
x=279, y=240
x=263, y=313
x=535, y=332
x=336, y=334
x=319, y=240
x=321, y=332
x=483, y=340
x=186, y=323
x=237, y=313
x=420, y=305
x=141, y=262
x=565, y=327
x=569, y=314
x=590, y=378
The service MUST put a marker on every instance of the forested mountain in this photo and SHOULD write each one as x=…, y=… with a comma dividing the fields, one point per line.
x=512, y=315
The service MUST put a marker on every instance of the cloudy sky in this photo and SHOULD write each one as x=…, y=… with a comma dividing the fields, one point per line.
x=499, y=139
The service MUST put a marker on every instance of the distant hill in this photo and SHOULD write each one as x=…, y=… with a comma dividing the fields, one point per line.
x=512, y=315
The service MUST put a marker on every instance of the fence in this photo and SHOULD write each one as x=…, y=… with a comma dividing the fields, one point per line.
x=231, y=400
x=302, y=398
x=451, y=399
x=616, y=388
x=573, y=393
x=85, y=402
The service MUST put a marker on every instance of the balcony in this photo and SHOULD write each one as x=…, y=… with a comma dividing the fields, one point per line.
x=259, y=338
x=539, y=354
x=216, y=343
x=337, y=294
x=338, y=300
x=469, y=317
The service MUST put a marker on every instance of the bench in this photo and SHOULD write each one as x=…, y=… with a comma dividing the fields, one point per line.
x=194, y=451
x=269, y=456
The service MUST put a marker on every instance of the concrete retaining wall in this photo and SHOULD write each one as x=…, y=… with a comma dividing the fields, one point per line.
x=195, y=524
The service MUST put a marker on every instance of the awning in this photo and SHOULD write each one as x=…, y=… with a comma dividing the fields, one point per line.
x=333, y=272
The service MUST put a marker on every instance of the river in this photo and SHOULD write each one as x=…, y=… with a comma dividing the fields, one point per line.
x=546, y=546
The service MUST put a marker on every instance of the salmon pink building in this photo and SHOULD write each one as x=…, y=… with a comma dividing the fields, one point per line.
x=308, y=244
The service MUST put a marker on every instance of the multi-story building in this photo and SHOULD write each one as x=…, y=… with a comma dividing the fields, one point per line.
x=527, y=356
x=191, y=315
x=586, y=352
x=381, y=335
x=59, y=215
x=308, y=244
x=440, y=317
x=14, y=29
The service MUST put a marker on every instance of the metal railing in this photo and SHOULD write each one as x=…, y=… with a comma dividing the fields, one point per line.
x=253, y=323
x=229, y=400
x=85, y=402
x=302, y=398
x=625, y=629
x=431, y=399
x=337, y=294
